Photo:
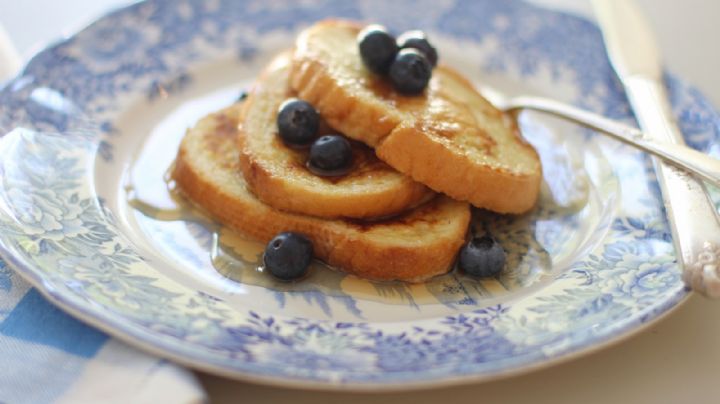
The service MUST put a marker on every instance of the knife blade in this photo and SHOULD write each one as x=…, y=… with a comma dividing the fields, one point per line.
x=693, y=219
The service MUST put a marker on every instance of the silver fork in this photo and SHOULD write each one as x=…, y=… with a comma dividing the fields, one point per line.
x=686, y=158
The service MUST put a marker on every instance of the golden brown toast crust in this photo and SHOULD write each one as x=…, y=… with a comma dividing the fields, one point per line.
x=278, y=176
x=412, y=247
x=450, y=138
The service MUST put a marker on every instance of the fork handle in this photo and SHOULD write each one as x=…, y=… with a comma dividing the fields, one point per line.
x=680, y=155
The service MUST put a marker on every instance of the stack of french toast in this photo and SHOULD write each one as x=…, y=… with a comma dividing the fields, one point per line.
x=412, y=160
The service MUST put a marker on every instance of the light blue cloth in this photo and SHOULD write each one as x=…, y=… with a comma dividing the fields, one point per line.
x=48, y=356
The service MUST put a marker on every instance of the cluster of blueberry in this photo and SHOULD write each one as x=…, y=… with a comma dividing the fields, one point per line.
x=407, y=61
x=288, y=255
x=298, y=123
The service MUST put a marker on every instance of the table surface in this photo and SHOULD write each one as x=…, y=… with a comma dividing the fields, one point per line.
x=675, y=360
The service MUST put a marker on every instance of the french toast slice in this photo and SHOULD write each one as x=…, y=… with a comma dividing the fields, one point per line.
x=277, y=174
x=449, y=138
x=413, y=247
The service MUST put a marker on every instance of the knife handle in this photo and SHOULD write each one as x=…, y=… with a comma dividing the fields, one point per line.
x=694, y=222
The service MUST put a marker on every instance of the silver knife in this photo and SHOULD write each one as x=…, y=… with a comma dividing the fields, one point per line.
x=693, y=219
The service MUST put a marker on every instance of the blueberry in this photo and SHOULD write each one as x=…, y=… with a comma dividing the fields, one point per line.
x=297, y=122
x=288, y=255
x=377, y=48
x=418, y=40
x=410, y=72
x=330, y=155
x=482, y=257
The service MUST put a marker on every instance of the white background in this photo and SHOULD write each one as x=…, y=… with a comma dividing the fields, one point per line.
x=674, y=361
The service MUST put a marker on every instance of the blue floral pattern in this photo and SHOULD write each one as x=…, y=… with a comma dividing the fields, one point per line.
x=58, y=117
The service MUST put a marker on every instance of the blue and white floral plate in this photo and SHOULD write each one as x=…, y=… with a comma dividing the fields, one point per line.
x=92, y=124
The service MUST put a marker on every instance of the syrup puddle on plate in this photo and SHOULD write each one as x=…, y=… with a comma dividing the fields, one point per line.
x=538, y=244
x=239, y=258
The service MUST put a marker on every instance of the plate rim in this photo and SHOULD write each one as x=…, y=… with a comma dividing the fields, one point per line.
x=126, y=336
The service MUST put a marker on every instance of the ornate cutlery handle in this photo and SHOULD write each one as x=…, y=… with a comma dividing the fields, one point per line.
x=693, y=218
